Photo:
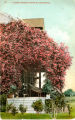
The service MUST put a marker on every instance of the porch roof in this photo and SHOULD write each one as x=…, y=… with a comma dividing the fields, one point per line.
x=35, y=89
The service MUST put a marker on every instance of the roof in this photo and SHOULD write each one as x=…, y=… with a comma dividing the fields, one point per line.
x=35, y=22
x=4, y=18
x=35, y=89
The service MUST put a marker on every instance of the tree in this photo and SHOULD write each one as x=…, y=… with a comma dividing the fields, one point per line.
x=26, y=48
x=68, y=92
x=57, y=97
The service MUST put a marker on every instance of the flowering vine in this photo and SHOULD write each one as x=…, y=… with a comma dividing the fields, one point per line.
x=24, y=47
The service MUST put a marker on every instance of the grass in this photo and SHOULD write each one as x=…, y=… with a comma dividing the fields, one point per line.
x=41, y=116
x=38, y=116
x=25, y=116
x=66, y=115
x=73, y=109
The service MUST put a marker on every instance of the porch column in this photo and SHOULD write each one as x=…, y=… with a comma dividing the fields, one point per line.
x=39, y=79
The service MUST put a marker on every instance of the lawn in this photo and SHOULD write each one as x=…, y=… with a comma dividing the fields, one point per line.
x=35, y=116
x=40, y=116
x=25, y=116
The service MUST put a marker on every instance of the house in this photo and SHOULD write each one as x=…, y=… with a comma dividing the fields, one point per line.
x=32, y=80
x=35, y=22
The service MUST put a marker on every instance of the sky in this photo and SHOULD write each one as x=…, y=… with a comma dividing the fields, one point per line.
x=59, y=21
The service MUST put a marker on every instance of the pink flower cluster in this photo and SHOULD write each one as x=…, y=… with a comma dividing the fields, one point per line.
x=23, y=47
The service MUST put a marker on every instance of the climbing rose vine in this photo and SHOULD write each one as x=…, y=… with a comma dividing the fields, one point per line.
x=26, y=48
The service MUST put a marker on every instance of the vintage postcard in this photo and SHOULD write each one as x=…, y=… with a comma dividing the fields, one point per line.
x=37, y=59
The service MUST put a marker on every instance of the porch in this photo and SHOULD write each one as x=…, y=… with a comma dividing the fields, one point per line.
x=26, y=101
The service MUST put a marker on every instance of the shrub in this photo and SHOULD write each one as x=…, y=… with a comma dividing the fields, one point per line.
x=9, y=107
x=3, y=99
x=22, y=108
x=38, y=106
x=2, y=108
x=47, y=88
x=48, y=106
x=60, y=101
x=14, y=110
x=12, y=89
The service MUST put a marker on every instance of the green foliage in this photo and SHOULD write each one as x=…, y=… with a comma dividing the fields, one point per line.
x=9, y=107
x=3, y=108
x=55, y=105
x=57, y=98
x=14, y=110
x=51, y=108
x=3, y=99
x=5, y=115
x=22, y=108
x=60, y=101
x=12, y=89
x=38, y=105
x=47, y=88
x=69, y=109
x=69, y=92
x=48, y=106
